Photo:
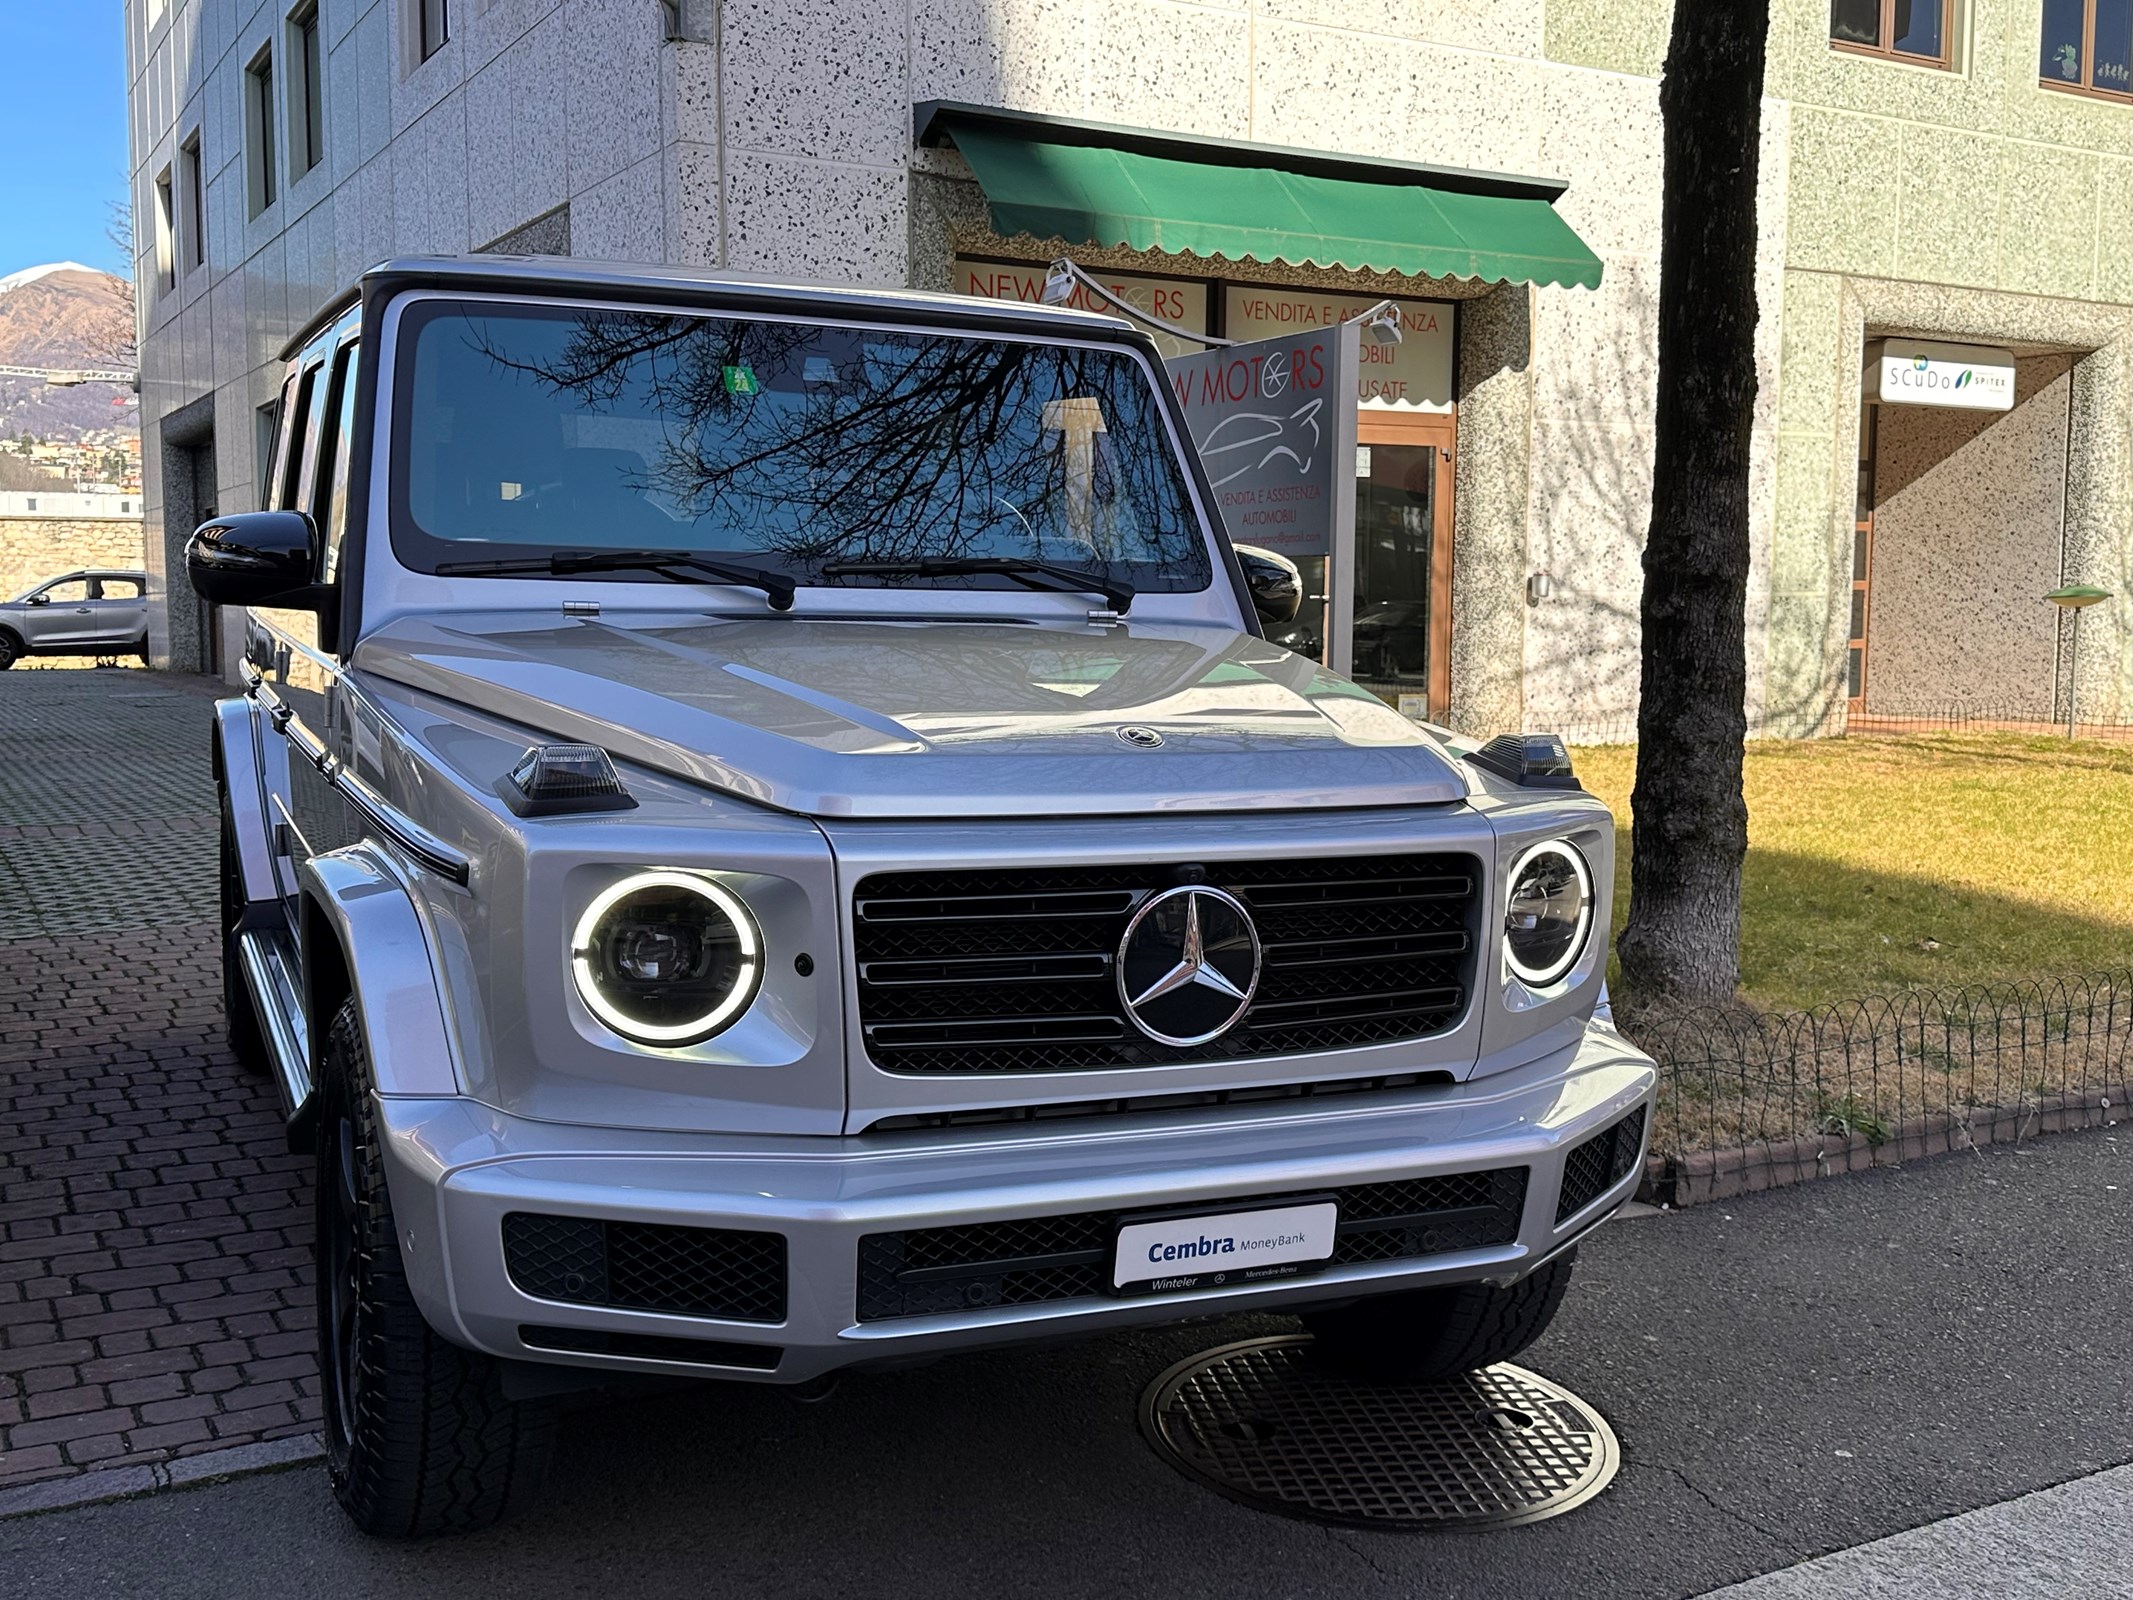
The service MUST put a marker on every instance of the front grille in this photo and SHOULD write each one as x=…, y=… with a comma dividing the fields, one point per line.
x=1600, y=1163
x=642, y=1266
x=1015, y=970
x=1390, y=1086
x=928, y=1271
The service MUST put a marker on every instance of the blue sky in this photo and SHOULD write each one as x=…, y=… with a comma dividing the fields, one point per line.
x=62, y=130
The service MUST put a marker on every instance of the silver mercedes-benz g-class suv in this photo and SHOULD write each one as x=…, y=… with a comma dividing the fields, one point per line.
x=764, y=836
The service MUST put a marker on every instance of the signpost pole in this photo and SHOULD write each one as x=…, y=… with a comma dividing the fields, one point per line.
x=2076, y=598
x=1340, y=565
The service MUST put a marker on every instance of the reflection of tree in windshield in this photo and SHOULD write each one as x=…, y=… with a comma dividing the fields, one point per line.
x=823, y=443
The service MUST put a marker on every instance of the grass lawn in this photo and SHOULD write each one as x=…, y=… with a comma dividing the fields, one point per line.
x=1879, y=863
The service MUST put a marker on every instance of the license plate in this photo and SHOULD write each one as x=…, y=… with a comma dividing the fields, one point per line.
x=1206, y=1251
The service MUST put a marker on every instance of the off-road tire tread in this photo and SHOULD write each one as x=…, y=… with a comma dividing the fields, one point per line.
x=1430, y=1335
x=438, y=1448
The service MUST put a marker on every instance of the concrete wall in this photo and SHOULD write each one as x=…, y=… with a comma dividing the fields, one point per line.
x=1556, y=385
x=776, y=137
x=1968, y=538
x=1969, y=205
x=33, y=549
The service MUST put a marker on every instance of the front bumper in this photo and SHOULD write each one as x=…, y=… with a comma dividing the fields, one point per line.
x=457, y=1168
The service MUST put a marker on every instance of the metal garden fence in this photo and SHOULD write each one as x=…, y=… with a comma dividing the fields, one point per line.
x=1751, y=1100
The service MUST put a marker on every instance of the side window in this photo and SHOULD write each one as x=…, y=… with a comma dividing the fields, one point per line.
x=333, y=471
x=281, y=477
x=74, y=592
x=304, y=437
x=121, y=588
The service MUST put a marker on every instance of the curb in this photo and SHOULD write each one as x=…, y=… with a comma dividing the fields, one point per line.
x=186, y=1472
x=1712, y=1175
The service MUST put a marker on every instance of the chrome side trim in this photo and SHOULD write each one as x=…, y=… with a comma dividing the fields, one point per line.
x=270, y=976
x=417, y=841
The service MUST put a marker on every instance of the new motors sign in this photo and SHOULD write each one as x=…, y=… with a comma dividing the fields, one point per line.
x=1270, y=418
x=1918, y=372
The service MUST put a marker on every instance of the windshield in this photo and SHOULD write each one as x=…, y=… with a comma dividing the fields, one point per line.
x=523, y=430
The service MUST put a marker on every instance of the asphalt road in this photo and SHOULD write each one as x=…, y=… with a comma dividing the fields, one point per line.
x=1790, y=1375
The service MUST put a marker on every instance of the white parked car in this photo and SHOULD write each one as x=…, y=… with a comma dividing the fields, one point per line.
x=77, y=614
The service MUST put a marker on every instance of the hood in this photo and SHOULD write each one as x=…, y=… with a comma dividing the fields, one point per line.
x=880, y=717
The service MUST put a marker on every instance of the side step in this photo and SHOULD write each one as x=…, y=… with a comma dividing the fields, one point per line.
x=270, y=975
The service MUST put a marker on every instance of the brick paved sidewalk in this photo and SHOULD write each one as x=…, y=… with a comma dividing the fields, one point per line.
x=155, y=1294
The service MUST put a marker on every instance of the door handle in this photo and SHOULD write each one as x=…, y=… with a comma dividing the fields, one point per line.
x=81, y=611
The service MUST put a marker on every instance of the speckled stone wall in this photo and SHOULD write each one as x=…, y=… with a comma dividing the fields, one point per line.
x=1828, y=318
x=1968, y=205
x=775, y=137
x=1968, y=538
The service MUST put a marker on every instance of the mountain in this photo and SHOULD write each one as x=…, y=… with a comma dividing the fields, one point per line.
x=64, y=314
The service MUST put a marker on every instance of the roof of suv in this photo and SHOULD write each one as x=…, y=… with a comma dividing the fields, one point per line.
x=700, y=286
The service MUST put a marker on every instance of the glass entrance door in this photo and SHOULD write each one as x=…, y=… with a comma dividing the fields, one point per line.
x=1403, y=561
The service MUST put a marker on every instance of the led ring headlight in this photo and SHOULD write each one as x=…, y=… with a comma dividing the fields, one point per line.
x=1547, y=914
x=667, y=957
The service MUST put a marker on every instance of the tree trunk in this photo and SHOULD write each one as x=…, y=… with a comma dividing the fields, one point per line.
x=1691, y=829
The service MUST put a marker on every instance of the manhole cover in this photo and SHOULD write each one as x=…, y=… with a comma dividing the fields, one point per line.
x=1264, y=1423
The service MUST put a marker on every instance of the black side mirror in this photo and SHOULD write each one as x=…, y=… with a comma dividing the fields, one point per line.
x=255, y=558
x=1276, y=584
x=38, y=600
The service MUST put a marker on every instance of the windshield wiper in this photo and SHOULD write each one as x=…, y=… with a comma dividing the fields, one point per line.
x=674, y=565
x=1117, y=593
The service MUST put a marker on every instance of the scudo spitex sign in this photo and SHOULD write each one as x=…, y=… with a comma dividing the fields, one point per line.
x=1274, y=421
x=1920, y=372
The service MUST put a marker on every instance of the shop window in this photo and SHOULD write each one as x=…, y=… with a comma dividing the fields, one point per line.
x=1918, y=31
x=2088, y=47
x=259, y=139
x=307, y=92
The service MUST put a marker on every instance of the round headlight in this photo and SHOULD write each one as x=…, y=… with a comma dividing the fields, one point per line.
x=667, y=958
x=1548, y=912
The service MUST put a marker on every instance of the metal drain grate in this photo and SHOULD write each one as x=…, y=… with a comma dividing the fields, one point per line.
x=1265, y=1424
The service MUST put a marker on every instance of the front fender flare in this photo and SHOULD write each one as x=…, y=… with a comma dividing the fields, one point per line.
x=361, y=933
x=238, y=775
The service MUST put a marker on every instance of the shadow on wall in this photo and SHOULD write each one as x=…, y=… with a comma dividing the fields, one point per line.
x=1592, y=501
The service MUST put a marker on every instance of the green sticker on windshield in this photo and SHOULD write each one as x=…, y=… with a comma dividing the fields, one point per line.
x=741, y=380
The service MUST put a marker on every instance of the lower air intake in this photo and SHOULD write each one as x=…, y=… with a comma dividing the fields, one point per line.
x=1600, y=1163
x=726, y=1273
x=929, y=1271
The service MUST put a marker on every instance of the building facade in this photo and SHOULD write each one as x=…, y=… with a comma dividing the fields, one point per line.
x=1938, y=184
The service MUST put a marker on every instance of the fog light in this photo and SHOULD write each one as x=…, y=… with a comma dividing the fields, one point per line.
x=667, y=958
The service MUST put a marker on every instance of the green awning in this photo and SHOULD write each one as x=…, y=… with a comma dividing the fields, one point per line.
x=1152, y=192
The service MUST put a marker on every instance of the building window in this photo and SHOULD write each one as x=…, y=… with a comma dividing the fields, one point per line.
x=192, y=222
x=307, y=92
x=433, y=25
x=1918, y=31
x=2088, y=46
x=165, y=243
x=259, y=130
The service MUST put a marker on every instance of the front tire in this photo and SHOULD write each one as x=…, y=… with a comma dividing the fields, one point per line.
x=10, y=650
x=419, y=1436
x=1430, y=1335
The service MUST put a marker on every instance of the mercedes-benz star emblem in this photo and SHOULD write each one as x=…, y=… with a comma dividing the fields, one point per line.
x=1142, y=738
x=1189, y=965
